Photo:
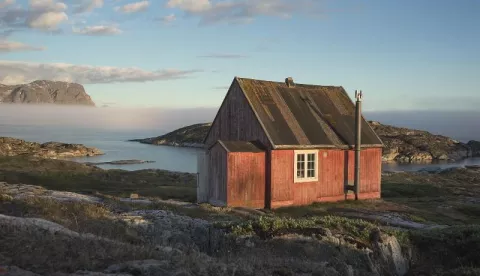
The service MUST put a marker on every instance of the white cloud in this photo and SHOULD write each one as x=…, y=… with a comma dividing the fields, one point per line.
x=98, y=30
x=14, y=72
x=47, y=20
x=40, y=14
x=87, y=5
x=168, y=18
x=241, y=11
x=6, y=3
x=47, y=5
x=13, y=46
x=193, y=6
x=134, y=7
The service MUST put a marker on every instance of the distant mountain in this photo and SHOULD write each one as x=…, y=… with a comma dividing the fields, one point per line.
x=44, y=91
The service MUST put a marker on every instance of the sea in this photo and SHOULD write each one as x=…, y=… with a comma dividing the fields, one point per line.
x=109, y=129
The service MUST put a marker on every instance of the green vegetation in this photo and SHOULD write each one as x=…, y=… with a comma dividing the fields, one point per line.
x=270, y=226
x=193, y=134
x=74, y=177
x=454, y=249
x=77, y=216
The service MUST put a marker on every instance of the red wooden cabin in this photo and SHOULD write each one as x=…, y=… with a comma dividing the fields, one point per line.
x=275, y=144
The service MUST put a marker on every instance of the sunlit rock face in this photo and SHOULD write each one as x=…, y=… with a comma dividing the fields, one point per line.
x=46, y=92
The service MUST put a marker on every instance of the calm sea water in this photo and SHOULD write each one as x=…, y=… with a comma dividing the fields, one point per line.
x=109, y=129
x=115, y=146
x=113, y=143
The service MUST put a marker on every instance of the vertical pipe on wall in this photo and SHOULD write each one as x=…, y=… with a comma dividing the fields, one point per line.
x=358, y=142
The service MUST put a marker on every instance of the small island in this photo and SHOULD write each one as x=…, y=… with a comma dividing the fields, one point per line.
x=51, y=150
x=400, y=144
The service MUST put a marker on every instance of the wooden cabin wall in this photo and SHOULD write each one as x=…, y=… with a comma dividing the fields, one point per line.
x=246, y=179
x=217, y=175
x=331, y=176
x=370, y=171
x=236, y=121
x=334, y=168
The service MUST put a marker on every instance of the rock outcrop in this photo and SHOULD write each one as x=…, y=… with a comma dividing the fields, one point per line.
x=52, y=150
x=43, y=91
x=475, y=148
x=411, y=145
x=189, y=136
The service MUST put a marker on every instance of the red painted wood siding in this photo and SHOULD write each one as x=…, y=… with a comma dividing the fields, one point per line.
x=236, y=121
x=217, y=175
x=331, y=173
x=281, y=178
x=334, y=167
x=246, y=179
x=370, y=169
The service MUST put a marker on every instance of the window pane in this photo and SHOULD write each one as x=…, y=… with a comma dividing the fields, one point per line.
x=311, y=173
x=311, y=165
x=300, y=166
x=300, y=157
x=311, y=157
x=301, y=174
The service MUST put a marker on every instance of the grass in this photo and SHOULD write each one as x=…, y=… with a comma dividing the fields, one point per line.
x=271, y=226
x=46, y=253
x=448, y=249
x=74, y=177
x=77, y=216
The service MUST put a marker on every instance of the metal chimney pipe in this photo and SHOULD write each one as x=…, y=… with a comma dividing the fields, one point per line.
x=358, y=140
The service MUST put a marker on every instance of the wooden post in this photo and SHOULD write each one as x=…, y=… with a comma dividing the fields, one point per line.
x=358, y=140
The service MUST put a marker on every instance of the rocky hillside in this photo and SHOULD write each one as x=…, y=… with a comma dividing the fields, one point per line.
x=409, y=145
x=401, y=144
x=43, y=91
x=427, y=225
x=189, y=136
x=53, y=150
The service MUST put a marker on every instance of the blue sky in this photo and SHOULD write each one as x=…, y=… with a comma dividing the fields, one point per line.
x=404, y=55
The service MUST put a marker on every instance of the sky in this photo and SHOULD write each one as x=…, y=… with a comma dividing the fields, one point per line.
x=404, y=55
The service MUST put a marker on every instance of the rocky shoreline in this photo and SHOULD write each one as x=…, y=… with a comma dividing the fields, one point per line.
x=400, y=144
x=411, y=145
x=50, y=150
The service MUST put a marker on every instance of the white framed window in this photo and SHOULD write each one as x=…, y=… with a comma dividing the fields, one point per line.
x=306, y=165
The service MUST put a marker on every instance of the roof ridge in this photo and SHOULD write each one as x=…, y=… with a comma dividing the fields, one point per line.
x=302, y=85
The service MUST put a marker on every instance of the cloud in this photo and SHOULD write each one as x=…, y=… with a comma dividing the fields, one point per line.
x=40, y=14
x=224, y=56
x=87, y=6
x=12, y=46
x=98, y=30
x=168, y=19
x=6, y=3
x=14, y=72
x=134, y=7
x=241, y=11
x=193, y=6
x=5, y=34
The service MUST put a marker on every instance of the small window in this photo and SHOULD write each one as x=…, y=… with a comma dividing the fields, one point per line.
x=306, y=166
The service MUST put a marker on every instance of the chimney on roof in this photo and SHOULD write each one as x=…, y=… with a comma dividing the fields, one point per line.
x=289, y=82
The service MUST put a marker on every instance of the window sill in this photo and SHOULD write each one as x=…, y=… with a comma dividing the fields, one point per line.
x=305, y=180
